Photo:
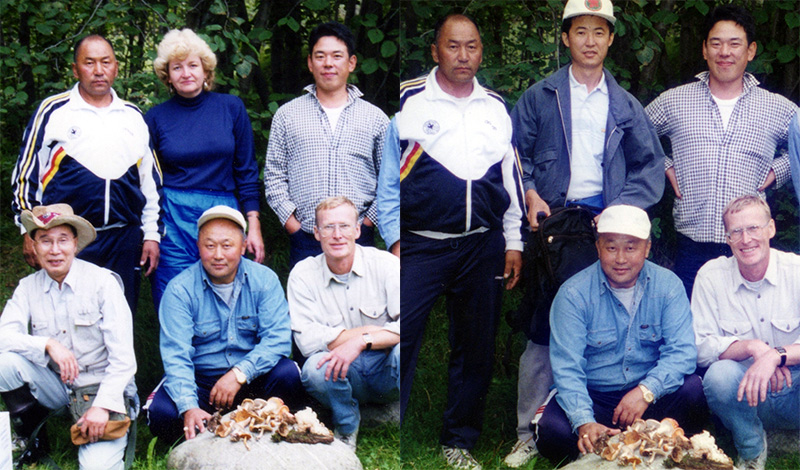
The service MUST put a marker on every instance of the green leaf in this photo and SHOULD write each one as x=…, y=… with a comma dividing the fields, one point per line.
x=316, y=5
x=388, y=49
x=244, y=68
x=792, y=20
x=645, y=55
x=369, y=66
x=665, y=17
x=702, y=7
x=375, y=35
x=44, y=28
x=786, y=54
x=293, y=24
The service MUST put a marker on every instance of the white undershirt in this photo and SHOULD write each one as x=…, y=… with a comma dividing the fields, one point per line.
x=333, y=115
x=725, y=109
x=625, y=296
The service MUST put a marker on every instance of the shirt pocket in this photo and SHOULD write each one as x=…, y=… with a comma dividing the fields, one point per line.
x=206, y=332
x=374, y=314
x=650, y=336
x=87, y=335
x=785, y=330
x=742, y=329
x=247, y=327
x=600, y=349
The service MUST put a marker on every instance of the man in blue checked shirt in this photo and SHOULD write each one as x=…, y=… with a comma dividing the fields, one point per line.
x=325, y=143
x=621, y=344
x=225, y=333
x=728, y=136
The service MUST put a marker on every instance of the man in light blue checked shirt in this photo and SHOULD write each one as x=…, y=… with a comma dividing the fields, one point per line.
x=728, y=137
x=325, y=143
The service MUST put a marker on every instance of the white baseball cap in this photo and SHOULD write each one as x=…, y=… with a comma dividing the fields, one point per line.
x=222, y=212
x=602, y=8
x=624, y=219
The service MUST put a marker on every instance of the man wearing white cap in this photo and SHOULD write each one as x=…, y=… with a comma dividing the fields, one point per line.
x=225, y=333
x=582, y=140
x=747, y=327
x=80, y=342
x=621, y=344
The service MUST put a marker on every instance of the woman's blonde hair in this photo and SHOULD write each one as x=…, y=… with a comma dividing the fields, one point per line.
x=178, y=45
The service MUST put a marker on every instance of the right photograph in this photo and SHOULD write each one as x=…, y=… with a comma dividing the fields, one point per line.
x=598, y=234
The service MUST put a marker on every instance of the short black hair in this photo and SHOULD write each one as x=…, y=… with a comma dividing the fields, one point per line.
x=437, y=28
x=567, y=24
x=735, y=13
x=79, y=43
x=337, y=30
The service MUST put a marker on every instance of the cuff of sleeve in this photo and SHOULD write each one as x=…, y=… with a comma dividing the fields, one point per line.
x=331, y=335
x=372, y=213
x=394, y=327
x=154, y=236
x=247, y=369
x=579, y=419
x=782, y=171
x=528, y=184
x=667, y=163
x=654, y=386
x=110, y=404
x=251, y=205
x=285, y=210
x=515, y=245
x=186, y=404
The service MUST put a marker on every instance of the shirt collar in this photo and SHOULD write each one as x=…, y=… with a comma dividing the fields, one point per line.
x=78, y=102
x=357, y=268
x=241, y=274
x=436, y=92
x=771, y=276
x=602, y=86
x=48, y=283
x=352, y=92
x=748, y=80
x=641, y=280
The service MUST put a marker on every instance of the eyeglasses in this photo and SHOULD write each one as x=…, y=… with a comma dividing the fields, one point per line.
x=327, y=230
x=753, y=231
x=47, y=243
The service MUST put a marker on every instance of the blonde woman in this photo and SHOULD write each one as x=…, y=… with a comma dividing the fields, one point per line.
x=204, y=144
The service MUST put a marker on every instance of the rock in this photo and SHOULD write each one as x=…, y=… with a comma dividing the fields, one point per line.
x=373, y=415
x=595, y=462
x=207, y=452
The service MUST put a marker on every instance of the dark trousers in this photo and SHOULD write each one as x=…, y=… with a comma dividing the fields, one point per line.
x=282, y=381
x=692, y=255
x=302, y=244
x=119, y=250
x=469, y=271
x=687, y=406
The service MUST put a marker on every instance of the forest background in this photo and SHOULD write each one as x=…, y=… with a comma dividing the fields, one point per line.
x=261, y=49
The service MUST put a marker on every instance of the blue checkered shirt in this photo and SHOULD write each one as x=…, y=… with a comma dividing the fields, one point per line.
x=308, y=162
x=715, y=165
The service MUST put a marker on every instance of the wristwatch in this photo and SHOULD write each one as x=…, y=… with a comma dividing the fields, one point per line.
x=648, y=395
x=782, y=351
x=240, y=377
x=368, y=340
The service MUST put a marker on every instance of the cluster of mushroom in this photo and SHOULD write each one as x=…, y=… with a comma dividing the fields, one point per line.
x=253, y=418
x=646, y=440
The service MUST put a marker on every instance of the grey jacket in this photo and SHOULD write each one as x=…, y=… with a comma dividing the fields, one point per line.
x=633, y=161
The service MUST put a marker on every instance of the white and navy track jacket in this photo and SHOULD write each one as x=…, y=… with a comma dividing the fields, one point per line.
x=459, y=172
x=98, y=160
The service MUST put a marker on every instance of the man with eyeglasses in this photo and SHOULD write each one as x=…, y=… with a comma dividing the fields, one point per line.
x=68, y=330
x=747, y=326
x=345, y=310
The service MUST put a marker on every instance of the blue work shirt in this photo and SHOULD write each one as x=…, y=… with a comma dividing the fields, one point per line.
x=201, y=334
x=596, y=344
x=389, y=187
